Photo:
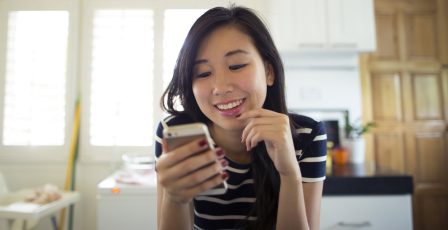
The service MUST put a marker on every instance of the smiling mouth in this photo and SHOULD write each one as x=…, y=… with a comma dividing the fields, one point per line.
x=230, y=105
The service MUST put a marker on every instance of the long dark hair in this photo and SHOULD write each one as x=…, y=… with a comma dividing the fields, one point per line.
x=266, y=177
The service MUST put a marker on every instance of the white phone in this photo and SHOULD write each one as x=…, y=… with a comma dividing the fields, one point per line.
x=179, y=135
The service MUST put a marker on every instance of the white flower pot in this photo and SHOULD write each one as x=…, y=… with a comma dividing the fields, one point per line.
x=357, y=150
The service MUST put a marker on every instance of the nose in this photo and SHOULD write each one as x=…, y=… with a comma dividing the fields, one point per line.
x=222, y=83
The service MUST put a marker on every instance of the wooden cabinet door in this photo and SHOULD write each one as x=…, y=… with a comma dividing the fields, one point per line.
x=405, y=92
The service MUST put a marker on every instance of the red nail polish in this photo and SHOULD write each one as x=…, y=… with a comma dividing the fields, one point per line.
x=220, y=153
x=224, y=162
x=224, y=176
x=203, y=142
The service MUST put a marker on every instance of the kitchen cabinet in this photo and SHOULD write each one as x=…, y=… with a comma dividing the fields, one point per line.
x=322, y=25
x=365, y=196
x=405, y=92
x=366, y=212
x=127, y=200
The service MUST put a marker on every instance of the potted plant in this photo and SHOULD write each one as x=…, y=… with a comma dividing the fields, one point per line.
x=356, y=130
x=354, y=142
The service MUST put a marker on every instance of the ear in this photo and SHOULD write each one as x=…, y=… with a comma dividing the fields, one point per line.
x=270, y=77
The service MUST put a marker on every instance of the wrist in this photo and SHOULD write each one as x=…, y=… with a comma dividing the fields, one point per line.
x=176, y=201
x=294, y=176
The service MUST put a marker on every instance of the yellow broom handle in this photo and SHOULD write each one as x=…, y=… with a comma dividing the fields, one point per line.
x=69, y=171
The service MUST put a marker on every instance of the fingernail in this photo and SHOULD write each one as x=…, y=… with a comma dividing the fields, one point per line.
x=224, y=176
x=220, y=153
x=224, y=163
x=202, y=143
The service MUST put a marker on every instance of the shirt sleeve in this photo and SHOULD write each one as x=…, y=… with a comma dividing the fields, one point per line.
x=158, y=141
x=313, y=161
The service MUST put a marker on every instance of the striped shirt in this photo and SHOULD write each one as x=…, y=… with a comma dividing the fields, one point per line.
x=229, y=210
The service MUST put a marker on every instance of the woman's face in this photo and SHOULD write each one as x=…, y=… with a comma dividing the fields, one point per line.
x=229, y=77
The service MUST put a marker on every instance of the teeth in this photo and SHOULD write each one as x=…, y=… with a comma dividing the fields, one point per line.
x=230, y=105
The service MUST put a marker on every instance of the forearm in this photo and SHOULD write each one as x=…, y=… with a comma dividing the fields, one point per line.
x=291, y=205
x=174, y=215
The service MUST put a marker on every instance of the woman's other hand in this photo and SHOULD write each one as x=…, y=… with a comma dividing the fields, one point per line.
x=274, y=129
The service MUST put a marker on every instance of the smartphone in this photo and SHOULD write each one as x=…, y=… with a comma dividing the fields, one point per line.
x=179, y=135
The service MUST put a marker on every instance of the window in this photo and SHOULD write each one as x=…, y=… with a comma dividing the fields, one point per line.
x=121, y=112
x=124, y=79
x=34, y=100
x=177, y=22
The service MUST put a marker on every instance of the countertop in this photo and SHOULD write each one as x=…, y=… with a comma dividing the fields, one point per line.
x=365, y=179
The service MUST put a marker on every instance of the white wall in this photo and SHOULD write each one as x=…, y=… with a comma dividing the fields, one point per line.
x=324, y=81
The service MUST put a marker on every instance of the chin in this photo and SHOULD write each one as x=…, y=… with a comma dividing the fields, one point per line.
x=230, y=125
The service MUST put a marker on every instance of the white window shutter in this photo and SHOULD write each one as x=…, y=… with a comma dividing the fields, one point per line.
x=35, y=101
x=121, y=92
x=177, y=23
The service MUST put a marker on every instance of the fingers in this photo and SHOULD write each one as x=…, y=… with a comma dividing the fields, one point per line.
x=204, y=186
x=260, y=133
x=201, y=175
x=191, y=165
x=263, y=125
x=191, y=169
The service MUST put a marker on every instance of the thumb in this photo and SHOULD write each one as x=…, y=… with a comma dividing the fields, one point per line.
x=164, y=146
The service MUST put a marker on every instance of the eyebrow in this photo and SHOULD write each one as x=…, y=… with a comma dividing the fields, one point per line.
x=233, y=52
x=228, y=54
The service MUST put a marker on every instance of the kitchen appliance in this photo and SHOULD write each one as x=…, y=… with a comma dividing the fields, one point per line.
x=332, y=129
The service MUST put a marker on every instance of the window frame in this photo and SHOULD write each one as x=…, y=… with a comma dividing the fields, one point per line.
x=40, y=153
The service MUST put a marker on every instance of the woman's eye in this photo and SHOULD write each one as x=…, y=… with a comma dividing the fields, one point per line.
x=236, y=67
x=204, y=74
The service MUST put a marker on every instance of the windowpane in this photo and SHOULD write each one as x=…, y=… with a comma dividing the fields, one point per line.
x=121, y=110
x=177, y=23
x=34, y=112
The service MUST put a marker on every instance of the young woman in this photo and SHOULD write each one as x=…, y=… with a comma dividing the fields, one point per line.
x=229, y=76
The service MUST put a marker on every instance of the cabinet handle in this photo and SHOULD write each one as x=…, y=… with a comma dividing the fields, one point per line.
x=355, y=224
x=344, y=45
x=311, y=45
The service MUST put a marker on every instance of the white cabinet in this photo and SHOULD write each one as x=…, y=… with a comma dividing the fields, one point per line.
x=322, y=25
x=310, y=24
x=366, y=212
x=127, y=205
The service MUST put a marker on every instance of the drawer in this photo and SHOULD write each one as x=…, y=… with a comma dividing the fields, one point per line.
x=366, y=212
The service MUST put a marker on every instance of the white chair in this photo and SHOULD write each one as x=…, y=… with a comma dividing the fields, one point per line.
x=15, y=224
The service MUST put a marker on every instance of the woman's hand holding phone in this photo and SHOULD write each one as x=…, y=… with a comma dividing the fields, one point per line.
x=190, y=169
